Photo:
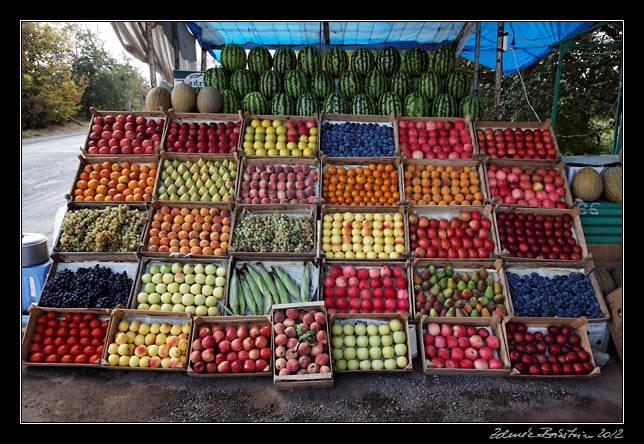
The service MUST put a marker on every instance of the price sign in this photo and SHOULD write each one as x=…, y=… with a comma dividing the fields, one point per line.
x=586, y=208
x=192, y=78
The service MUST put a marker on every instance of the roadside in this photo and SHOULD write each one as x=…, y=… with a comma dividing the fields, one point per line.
x=71, y=127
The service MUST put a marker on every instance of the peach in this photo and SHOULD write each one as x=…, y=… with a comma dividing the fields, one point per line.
x=292, y=313
x=256, y=201
x=291, y=177
x=299, y=184
x=281, y=177
x=255, y=176
x=245, y=185
x=281, y=339
x=280, y=351
x=291, y=343
x=289, y=322
x=322, y=337
x=303, y=349
x=279, y=316
x=317, y=349
x=254, y=184
x=325, y=369
x=320, y=318
x=315, y=326
x=279, y=169
x=264, y=175
x=290, y=332
x=304, y=361
x=266, y=201
x=309, y=318
x=281, y=186
x=284, y=372
x=263, y=183
x=280, y=363
x=290, y=186
x=322, y=359
x=292, y=365
x=313, y=368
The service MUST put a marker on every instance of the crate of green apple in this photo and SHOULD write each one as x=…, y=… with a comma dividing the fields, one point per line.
x=202, y=133
x=540, y=234
x=452, y=233
x=301, y=346
x=549, y=348
x=437, y=138
x=279, y=136
x=230, y=346
x=371, y=342
x=534, y=141
x=470, y=289
x=463, y=347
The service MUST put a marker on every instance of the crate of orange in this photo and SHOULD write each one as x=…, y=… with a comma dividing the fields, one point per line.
x=188, y=229
x=112, y=179
x=435, y=182
x=361, y=182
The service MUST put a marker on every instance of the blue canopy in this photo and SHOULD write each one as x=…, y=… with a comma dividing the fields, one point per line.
x=527, y=41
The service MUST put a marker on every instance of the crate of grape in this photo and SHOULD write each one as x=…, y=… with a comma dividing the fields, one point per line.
x=453, y=233
x=198, y=133
x=183, y=285
x=377, y=342
x=256, y=285
x=110, y=232
x=540, y=234
x=65, y=337
x=140, y=340
x=366, y=287
x=286, y=180
x=363, y=233
x=360, y=182
x=525, y=184
x=230, y=346
x=301, y=352
x=208, y=178
x=124, y=133
x=188, y=229
x=468, y=289
x=432, y=182
x=267, y=231
x=280, y=136
x=445, y=138
x=350, y=135
x=463, y=347
x=534, y=141
x=114, y=179
x=88, y=284
x=547, y=348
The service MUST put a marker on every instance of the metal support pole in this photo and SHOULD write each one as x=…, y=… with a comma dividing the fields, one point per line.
x=498, y=88
x=555, y=101
x=175, y=45
x=617, y=141
x=150, y=53
x=477, y=54
x=204, y=53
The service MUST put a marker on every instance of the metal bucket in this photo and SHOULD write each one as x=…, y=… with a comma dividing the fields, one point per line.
x=34, y=249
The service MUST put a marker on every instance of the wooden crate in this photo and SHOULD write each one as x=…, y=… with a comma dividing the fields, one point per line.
x=174, y=116
x=249, y=117
x=468, y=124
x=614, y=301
x=389, y=120
x=481, y=124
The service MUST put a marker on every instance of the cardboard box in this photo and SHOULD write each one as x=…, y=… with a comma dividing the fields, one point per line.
x=173, y=116
x=247, y=121
x=614, y=301
x=578, y=326
x=226, y=321
x=482, y=125
x=35, y=312
x=493, y=325
x=389, y=121
x=375, y=318
x=468, y=124
x=307, y=381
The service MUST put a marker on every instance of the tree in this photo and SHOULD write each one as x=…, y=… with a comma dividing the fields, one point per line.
x=49, y=93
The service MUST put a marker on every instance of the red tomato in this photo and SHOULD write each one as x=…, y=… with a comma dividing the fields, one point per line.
x=59, y=341
x=39, y=329
x=96, y=342
x=85, y=333
x=95, y=359
x=37, y=338
x=64, y=323
x=76, y=350
x=48, y=341
x=73, y=325
x=72, y=340
x=85, y=342
x=62, y=332
x=81, y=359
x=51, y=315
x=89, y=350
x=105, y=323
x=69, y=316
x=67, y=359
x=98, y=333
x=74, y=331
x=53, y=323
x=50, y=331
x=37, y=357
x=42, y=320
x=78, y=317
x=99, y=349
x=88, y=316
x=35, y=348
x=50, y=350
x=63, y=350
x=52, y=359
x=94, y=323
x=83, y=325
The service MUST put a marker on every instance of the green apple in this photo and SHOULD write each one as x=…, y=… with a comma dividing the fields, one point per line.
x=211, y=302
x=374, y=341
x=400, y=337
x=146, y=278
x=188, y=299
x=213, y=311
x=401, y=361
x=165, y=298
x=154, y=269
x=200, y=299
x=362, y=341
x=353, y=364
x=347, y=329
x=179, y=277
x=218, y=292
x=337, y=354
x=220, y=281
x=336, y=329
x=152, y=307
x=372, y=329
x=189, y=279
x=188, y=269
x=210, y=269
x=337, y=342
x=176, y=298
x=201, y=310
x=161, y=288
x=388, y=352
x=221, y=271
x=166, y=307
x=157, y=278
x=375, y=352
x=400, y=349
x=362, y=353
x=173, y=287
x=365, y=364
x=165, y=268
x=395, y=325
x=207, y=290
x=383, y=329
x=349, y=353
x=142, y=298
x=184, y=288
x=390, y=364
x=350, y=341
x=154, y=328
x=199, y=268
x=191, y=309
x=210, y=279
x=340, y=365
x=377, y=364
x=155, y=298
x=196, y=289
x=200, y=278
x=177, y=268
x=178, y=308
x=167, y=278
x=360, y=329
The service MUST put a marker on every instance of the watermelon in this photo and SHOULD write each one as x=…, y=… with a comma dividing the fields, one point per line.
x=233, y=57
x=270, y=83
x=444, y=60
x=259, y=59
x=255, y=103
x=307, y=104
x=458, y=84
x=472, y=105
x=336, y=61
x=415, y=105
x=335, y=103
x=363, y=104
x=401, y=84
x=390, y=103
x=322, y=84
x=445, y=106
x=362, y=61
x=376, y=84
x=309, y=60
x=218, y=78
x=284, y=60
x=243, y=81
x=429, y=85
x=388, y=60
x=416, y=61
x=230, y=101
x=282, y=105
x=350, y=84
x=295, y=83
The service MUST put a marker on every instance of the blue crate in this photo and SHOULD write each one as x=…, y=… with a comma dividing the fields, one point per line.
x=33, y=281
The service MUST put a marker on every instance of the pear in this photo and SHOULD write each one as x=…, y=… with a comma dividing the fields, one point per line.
x=481, y=286
x=185, y=197
x=216, y=198
x=204, y=177
x=483, y=300
x=174, y=196
x=448, y=303
x=213, y=190
x=451, y=284
x=417, y=280
x=459, y=304
x=431, y=269
x=485, y=312
x=499, y=299
x=224, y=163
x=170, y=169
x=440, y=298
x=471, y=285
x=212, y=169
x=181, y=169
x=475, y=313
x=433, y=313
x=229, y=198
x=483, y=273
x=490, y=279
x=425, y=286
x=167, y=163
x=172, y=189
x=431, y=299
x=447, y=293
x=190, y=183
x=187, y=175
x=222, y=171
x=462, y=285
x=467, y=294
x=497, y=288
x=195, y=197
x=176, y=163
x=192, y=190
x=199, y=183
x=189, y=164
x=222, y=192
x=179, y=182
x=233, y=174
x=167, y=182
x=457, y=296
x=442, y=284
x=450, y=313
x=163, y=197
x=489, y=293
x=474, y=301
x=182, y=190
x=162, y=190
x=440, y=274
x=461, y=312
x=490, y=307
x=208, y=183
x=467, y=309
x=433, y=280
x=449, y=271
x=203, y=190
x=206, y=198
x=499, y=312
x=465, y=277
x=201, y=162
x=215, y=176
x=475, y=276
x=443, y=312
x=219, y=184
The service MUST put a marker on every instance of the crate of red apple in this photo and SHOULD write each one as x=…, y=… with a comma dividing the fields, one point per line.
x=437, y=138
x=202, y=133
x=518, y=140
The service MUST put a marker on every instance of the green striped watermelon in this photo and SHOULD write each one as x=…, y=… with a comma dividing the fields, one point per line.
x=350, y=84
x=336, y=61
x=217, y=78
x=230, y=101
x=322, y=84
x=429, y=85
x=284, y=60
x=335, y=103
x=472, y=105
x=255, y=103
x=444, y=60
x=309, y=60
x=296, y=83
x=416, y=61
x=307, y=105
x=259, y=59
x=445, y=106
x=270, y=83
x=363, y=104
x=388, y=60
x=282, y=105
x=390, y=103
x=458, y=84
x=362, y=61
x=243, y=81
x=376, y=84
x=401, y=84
x=415, y=105
x=233, y=57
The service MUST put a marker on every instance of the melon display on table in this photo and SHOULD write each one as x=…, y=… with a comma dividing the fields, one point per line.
x=158, y=98
x=183, y=98
x=209, y=100
x=587, y=184
x=612, y=180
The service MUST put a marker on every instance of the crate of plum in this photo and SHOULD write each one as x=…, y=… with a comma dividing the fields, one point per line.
x=62, y=337
x=188, y=229
x=301, y=350
x=114, y=179
x=88, y=284
x=469, y=289
x=377, y=342
x=230, y=346
x=366, y=287
x=523, y=184
x=452, y=233
x=363, y=233
x=540, y=234
x=181, y=285
x=549, y=348
x=208, y=178
x=549, y=290
x=124, y=133
x=200, y=133
x=256, y=285
x=274, y=230
x=139, y=340
x=431, y=182
x=437, y=138
x=110, y=232
x=287, y=180
x=534, y=141
x=463, y=347
x=360, y=182
x=283, y=136
x=350, y=135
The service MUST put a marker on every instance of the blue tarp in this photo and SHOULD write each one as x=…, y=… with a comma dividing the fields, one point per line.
x=527, y=41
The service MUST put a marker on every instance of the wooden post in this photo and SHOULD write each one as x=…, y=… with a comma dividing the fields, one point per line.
x=498, y=88
x=477, y=55
x=149, y=48
x=175, y=45
x=204, y=55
